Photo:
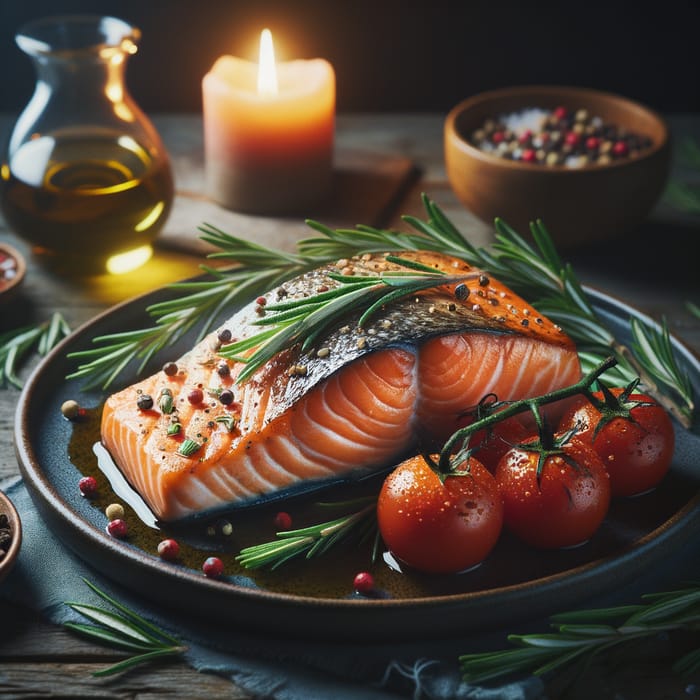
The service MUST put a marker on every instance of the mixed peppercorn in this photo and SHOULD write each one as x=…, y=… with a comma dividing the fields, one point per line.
x=5, y=535
x=9, y=267
x=558, y=137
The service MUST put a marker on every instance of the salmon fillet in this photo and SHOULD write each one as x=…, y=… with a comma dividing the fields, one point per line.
x=357, y=403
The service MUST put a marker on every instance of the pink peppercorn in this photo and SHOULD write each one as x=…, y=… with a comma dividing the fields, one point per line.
x=213, y=567
x=117, y=528
x=572, y=138
x=560, y=113
x=283, y=521
x=529, y=155
x=525, y=136
x=261, y=301
x=592, y=142
x=195, y=396
x=497, y=136
x=88, y=486
x=168, y=549
x=363, y=582
x=619, y=148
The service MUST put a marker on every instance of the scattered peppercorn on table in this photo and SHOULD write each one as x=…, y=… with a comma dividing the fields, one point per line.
x=650, y=270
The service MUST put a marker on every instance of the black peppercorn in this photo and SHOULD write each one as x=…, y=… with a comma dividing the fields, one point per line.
x=223, y=370
x=144, y=402
x=170, y=369
x=461, y=291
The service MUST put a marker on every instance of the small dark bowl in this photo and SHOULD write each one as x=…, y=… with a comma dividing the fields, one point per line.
x=577, y=205
x=8, y=561
x=10, y=285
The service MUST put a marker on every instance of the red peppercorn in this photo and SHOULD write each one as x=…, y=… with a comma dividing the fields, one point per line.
x=261, y=301
x=363, y=582
x=619, y=148
x=117, y=528
x=529, y=155
x=168, y=549
x=497, y=136
x=88, y=486
x=592, y=142
x=283, y=521
x=560, y=113
x=213, y=567
x=572, y=138
x=525, y=136
x=195, y=396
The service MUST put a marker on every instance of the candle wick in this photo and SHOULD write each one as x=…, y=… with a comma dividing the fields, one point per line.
x=267, y=72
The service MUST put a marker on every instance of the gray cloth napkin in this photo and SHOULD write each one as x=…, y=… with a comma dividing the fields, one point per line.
x=47, y=574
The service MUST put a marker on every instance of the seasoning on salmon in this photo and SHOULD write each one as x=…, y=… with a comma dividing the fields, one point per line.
x=356, y=403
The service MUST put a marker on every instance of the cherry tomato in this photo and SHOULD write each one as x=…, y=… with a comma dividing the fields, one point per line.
x=633, y=435
x=490, y=444
x=565, y=505
x=439, y=526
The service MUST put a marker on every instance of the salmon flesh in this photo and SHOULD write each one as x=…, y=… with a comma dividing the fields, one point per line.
x=359, y=401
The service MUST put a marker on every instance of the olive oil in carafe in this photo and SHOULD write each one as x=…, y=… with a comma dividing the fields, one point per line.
x=84, y=198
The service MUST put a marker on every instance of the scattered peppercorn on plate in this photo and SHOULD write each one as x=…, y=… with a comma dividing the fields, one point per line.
x=343, y=592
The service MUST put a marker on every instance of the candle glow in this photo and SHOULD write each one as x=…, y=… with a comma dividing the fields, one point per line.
x=268, y=132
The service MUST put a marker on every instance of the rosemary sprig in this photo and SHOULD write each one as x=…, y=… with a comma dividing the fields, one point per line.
x=312, y=541
x=536, y=272
x=123, y=629
x=301, y=321
x=580, y=635
x=15, y=346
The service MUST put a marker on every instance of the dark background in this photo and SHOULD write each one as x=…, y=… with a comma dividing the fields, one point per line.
x=395, y=55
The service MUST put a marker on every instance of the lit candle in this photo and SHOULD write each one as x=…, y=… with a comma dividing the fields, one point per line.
x=268, y=132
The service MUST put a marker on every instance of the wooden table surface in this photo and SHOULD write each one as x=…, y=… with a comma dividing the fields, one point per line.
x=654, y=269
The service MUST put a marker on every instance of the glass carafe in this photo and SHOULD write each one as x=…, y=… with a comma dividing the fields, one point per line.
x=86, y=179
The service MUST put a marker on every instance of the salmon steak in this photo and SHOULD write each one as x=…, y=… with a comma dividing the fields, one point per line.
x=193, y=441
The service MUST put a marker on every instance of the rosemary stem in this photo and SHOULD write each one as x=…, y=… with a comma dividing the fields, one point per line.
x=345, y=522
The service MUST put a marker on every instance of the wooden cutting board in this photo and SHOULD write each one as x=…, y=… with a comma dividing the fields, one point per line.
x=366, y=188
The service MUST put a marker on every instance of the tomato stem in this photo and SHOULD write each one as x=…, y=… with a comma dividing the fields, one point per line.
x=448, y=457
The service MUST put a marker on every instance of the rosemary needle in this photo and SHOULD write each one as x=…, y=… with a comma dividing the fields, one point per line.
x=125, y=629
x=17, y=344
x=580, y=635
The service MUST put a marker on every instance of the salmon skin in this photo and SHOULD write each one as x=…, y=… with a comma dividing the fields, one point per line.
x=358, y=402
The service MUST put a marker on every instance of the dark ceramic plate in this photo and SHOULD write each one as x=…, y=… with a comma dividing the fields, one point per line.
x=513, y=583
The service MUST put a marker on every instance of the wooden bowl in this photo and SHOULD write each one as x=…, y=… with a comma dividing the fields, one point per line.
x=577, y=205
x=7, y=562
x=13, y=269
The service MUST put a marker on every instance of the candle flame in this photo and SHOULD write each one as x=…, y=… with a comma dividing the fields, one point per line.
x=267, y=72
